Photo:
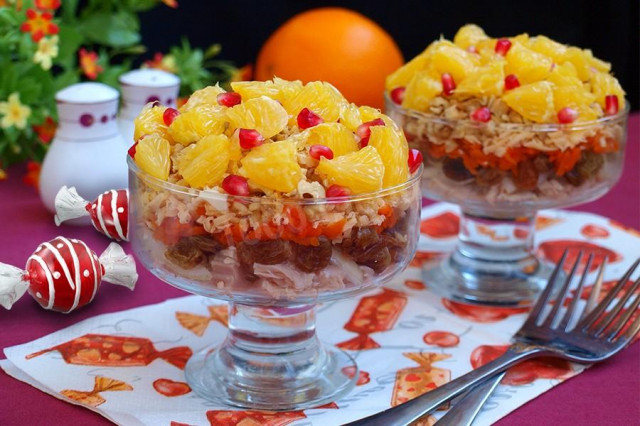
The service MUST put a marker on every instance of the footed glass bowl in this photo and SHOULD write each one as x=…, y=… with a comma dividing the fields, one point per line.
x=273, y=260
x=501, y=174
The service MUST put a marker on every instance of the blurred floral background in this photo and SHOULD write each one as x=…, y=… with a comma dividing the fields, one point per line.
x=46, y=45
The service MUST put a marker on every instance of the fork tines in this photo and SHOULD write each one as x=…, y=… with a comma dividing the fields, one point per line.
x=601, y=320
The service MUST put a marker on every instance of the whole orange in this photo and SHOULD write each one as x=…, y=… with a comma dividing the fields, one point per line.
x=336, y=45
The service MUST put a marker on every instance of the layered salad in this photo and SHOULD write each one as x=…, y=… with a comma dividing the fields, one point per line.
x=511, y=120
x=276, y=189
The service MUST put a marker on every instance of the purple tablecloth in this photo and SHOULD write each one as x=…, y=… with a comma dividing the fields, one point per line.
x=606, y=394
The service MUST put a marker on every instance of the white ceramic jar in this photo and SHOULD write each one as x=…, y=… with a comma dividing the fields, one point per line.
x=87, y=151
x=139, y=87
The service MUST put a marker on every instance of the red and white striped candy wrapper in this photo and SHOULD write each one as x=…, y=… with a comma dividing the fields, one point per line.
x=64, y=274
x=109, y=212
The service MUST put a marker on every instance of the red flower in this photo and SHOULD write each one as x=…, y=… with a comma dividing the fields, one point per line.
x=161, y=62
x=89, y=63
x=46, y=130
x=39, y=25
x=171, y=3
x=32, y=177
x=47, y=4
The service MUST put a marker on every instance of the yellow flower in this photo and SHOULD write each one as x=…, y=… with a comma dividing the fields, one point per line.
x=15, y=114
x=47, y=50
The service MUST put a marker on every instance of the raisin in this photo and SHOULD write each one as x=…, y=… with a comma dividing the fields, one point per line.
x=270, y=252
x=488, y=176
x=206, y=244
x=542, y=163
x=367, y=247
x=588, y=165
x=312, y=258
x=527, y=176
x=364, y=237
x=375, y=257
x=185, y=254
x=454, y=169
x=394, y=244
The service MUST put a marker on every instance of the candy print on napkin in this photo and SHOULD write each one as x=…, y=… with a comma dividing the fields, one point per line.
x=116, y=351
x=401, y=335
x=171, y=388
x=481, y=313
x=373, y=314
x=525, y=372
x=552, y=251
x=93, y=397
x=198, y=324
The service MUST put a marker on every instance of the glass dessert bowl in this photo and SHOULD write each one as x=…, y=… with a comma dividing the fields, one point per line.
x=271, y=246
x=502, y=150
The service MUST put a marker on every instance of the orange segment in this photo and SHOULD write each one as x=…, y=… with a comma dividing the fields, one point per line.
x=205, y=96
x=273, y=166
x=204, y=164
x=361, y=171
x=421, y=89
x=263, y=114
x=528, y=65
x=153, y=156
x=469, y=35
x=321, y=98
x=485, y=80
x=394, y=151
x=196, y=123
x=533, y=101
x=149, y=121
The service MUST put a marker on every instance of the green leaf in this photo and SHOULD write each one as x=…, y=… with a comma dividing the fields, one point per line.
x=110, y=75
x=141, y=5
x=70, y=40
x=212, y=51
x=69, y=11
x=115, y=30
x=10, y=16
x=65, y=79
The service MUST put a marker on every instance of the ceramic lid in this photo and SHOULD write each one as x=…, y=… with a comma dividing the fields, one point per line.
x=87, y=93
x=146, y=77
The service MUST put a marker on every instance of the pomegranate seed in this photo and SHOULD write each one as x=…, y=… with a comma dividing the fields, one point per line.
x=567, y=115
x=511, y=82
x=415, y=159
x=249, y=138
x=132, y=150
x=502, y=46
x=318, y=151
x=236, y=185
x=229, y=99
x=308, y=118
x=448, y=85
x=337, y=191
x=472, y=49
x=364, y=130
x=169, y=115
x=611, y=105
x=397, y=94
x=482, y=114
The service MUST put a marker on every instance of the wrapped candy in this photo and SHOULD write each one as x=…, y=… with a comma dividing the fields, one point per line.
x=116, y=351
x=63, y=275
x=373, y=314
x=109, y=212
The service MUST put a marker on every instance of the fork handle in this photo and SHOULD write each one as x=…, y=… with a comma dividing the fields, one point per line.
x=412, y=410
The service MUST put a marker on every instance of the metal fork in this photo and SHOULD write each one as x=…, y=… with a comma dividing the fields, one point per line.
x=464, y=412
x=595, y=337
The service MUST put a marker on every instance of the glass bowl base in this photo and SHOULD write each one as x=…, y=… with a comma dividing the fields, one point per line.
x=278, y=381
x=505, y=284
